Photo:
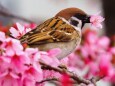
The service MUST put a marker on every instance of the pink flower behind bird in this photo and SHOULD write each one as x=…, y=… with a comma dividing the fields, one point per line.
x=20, y=65
x=19, y=32
x=14, y=61
x=66, y=80
x=2, y=36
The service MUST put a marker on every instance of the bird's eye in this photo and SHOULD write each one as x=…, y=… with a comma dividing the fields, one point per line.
x=74, y=22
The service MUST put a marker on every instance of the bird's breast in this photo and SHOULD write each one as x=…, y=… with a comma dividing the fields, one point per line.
x=66, y=47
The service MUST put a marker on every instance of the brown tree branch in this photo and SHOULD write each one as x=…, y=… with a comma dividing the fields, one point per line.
x=75, y=77
x=48, y=79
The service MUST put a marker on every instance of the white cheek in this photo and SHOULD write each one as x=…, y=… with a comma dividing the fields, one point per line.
x=80, y=24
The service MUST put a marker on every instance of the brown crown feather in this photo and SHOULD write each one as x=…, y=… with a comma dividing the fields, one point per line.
x=69, y=12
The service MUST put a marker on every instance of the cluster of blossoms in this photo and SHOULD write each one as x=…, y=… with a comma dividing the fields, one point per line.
x=19, y=64
x=95, y=56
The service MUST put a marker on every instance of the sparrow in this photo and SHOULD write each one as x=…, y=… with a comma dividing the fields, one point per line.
x=61, y=31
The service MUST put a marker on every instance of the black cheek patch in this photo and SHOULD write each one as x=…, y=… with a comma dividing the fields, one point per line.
x=73, y=22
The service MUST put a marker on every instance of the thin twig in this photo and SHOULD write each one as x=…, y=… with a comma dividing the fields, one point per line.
x=75, y=77
x=95, y=79
x=49, y=79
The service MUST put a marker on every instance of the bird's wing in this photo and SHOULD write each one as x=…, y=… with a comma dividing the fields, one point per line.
x=53, y=30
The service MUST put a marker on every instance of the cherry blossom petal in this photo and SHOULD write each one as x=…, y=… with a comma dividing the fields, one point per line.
x=15, y=76
x=28, y=29
x=3, y=74
x=96, y=21
x=2, y=36
x=20, y=28
x=14, y=32
x=54, y=52
x=104, y=42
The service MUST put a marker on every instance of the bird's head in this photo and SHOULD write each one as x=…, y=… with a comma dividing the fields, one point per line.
x=74, y=16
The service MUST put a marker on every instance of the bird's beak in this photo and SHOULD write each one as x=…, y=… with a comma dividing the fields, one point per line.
x=86, y=19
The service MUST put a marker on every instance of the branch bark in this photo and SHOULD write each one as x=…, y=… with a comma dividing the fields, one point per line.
x=49, y=79
x=75, y=77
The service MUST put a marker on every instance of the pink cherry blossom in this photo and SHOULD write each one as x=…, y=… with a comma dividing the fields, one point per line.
x=96, y=21
x=112, y=50
x=54, y=52
x=91, y=85
x=74, y=58
x=65, y=80
x=16, y=64
x=19, y=32
x=31, y=76
x=34, y=56
x=2, y=36
x=9, y=78
x=51, y=74
x=33, y=53
x=93, y=69
x=45, y=58
x=91, y=37
x=95, y=53
x=31, y=25
x=49, y=58
x=105, y=65
x=13, y=45
x=14, y=55
x=103, y=42
x=65, y=61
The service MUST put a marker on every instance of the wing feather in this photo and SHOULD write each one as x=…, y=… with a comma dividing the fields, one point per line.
x=52, y=30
